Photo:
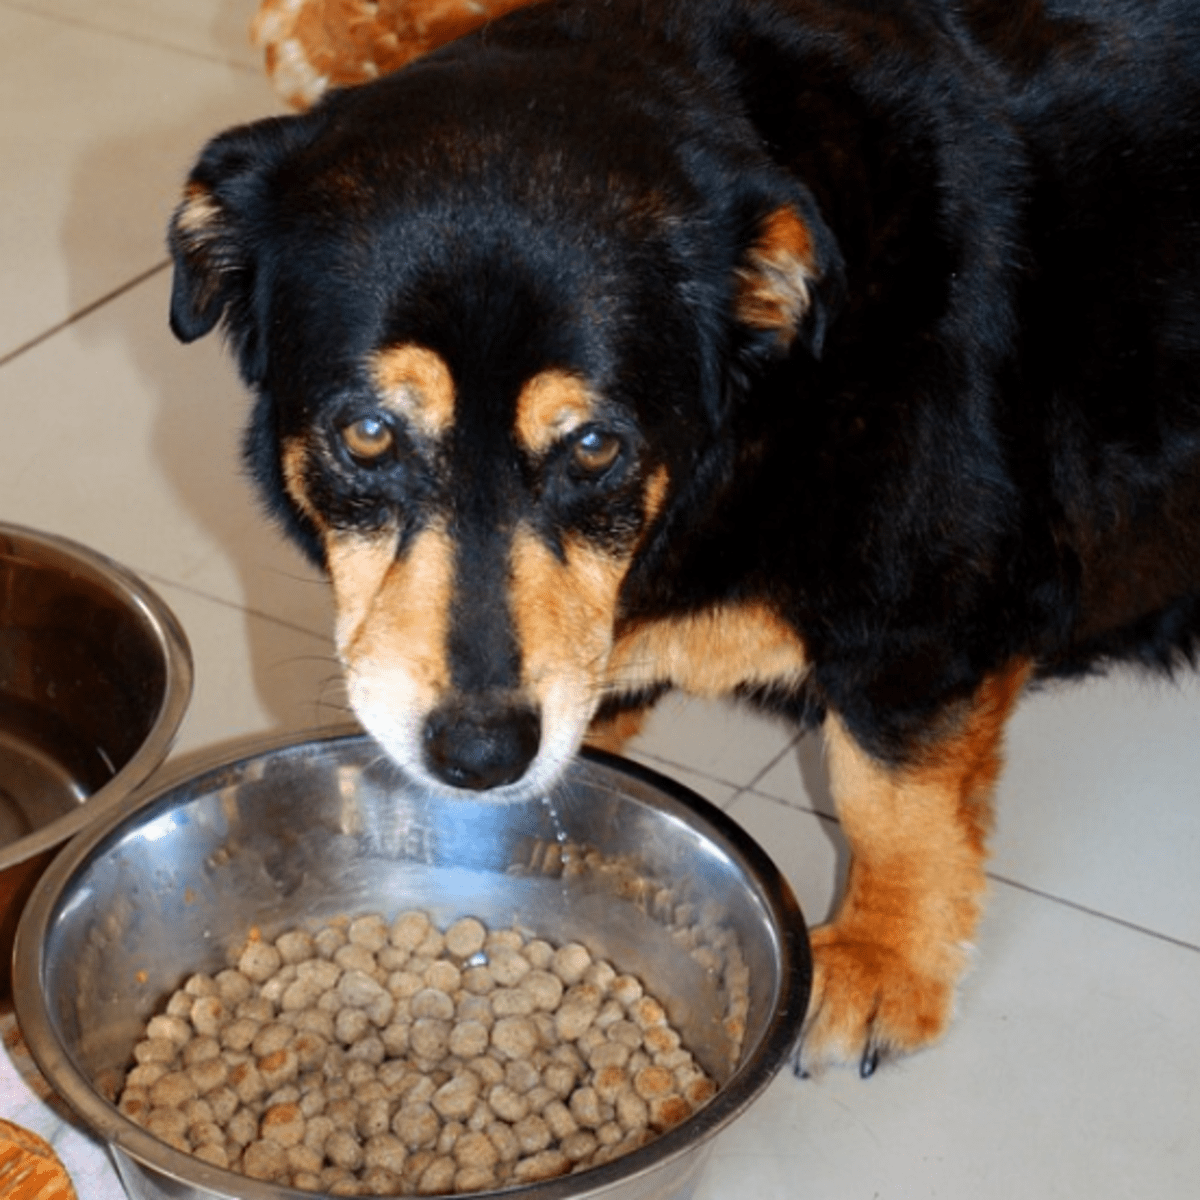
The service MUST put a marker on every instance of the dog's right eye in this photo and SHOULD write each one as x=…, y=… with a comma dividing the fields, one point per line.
x=368, y=439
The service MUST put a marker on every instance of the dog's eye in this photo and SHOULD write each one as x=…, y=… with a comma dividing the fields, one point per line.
x=368, y=438
x=595, y=450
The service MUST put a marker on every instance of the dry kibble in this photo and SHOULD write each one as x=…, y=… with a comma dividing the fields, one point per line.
x=259, y=961
x=408, y=930
x=283, y=1123
x=515, y=1037
x=570, y=961
x=465, y=937
x=438, y=1177
x=430, y=1002
x=444, y=977
x=468, y=1039
x=344, y=1150
x=368, y=1058
x=370, y=932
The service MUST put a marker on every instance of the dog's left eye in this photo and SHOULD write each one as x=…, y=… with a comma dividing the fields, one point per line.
x=368, y=438
x=595, y=450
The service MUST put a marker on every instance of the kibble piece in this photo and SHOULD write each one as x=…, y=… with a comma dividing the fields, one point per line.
x=212, y=1152
x=242, y=1127
x=239, y=1033
x=632, y=1111
x=609, y=1083
x=559, y=1120
x=668, y=1111
x=540, y=953
x=515, y=1037
x=370, y=932
x=200, y=985
x=271, y=1038
x=284, y=1124
x=544, y=989
x=508, y=966
x=147, y=1074
x=259, y=961
x=468, y=1039
x=455, y=1099
x=416, y=1125
x=465, y=937
x=344, y=1150
x=429, y=1038
x=570, y=962
x=586, y=1107
x=408, y=930
x=579, y=1146
x=173, y=1090
x=652, y=1082
x=574, y=1016
x=438, y=1177
x=303, y=1160
x=647, y=1012
x=168, y=1028
x=385, y=1150
x=544, y=1165
x=328, y=941
x=430, y=1002
x=350, y=1024
x=507, y=1104
x=479, y=980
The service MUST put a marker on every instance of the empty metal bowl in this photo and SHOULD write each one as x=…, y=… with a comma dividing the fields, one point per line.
x=95, y=676
x=302, y=832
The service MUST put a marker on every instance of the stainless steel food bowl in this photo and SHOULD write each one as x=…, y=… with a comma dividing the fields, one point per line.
x=305, y=831
x=95, y=676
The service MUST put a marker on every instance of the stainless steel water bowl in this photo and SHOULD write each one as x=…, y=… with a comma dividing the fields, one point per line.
x=305, y=831
x=95, y=676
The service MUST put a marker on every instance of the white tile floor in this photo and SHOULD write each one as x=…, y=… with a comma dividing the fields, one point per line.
x=1074, y=1070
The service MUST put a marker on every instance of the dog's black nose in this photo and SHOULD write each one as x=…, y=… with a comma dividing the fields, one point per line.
x=481, y=746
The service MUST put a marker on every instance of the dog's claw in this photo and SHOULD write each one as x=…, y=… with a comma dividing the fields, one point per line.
x=869, y=1061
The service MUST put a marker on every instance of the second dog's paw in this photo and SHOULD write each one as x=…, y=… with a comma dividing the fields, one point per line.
x=871, y=1000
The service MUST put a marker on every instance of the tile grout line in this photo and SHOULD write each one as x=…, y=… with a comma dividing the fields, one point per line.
x=86, y=311
x=1133, y=926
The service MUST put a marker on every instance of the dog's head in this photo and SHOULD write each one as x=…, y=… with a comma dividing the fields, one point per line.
x=496, y=310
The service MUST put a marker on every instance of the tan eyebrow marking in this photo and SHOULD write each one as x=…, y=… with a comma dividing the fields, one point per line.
x=416, y=384
x=551, y=404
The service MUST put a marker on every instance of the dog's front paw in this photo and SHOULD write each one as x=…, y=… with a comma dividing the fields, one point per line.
x=871, y=1000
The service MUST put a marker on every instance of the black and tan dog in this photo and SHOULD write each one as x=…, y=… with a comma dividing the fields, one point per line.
x=842, y=355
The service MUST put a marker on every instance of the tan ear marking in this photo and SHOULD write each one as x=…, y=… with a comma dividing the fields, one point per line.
x=773, y=284
x=550, y=405
x=197, y=212
x=416, y=384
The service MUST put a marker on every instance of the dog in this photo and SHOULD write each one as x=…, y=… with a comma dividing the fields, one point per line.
x=841, y=356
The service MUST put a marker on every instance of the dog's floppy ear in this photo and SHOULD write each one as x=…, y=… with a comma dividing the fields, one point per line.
x=789, y=281
x=214, y=238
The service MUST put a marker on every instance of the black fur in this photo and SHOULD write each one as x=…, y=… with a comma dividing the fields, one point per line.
x=984, y=442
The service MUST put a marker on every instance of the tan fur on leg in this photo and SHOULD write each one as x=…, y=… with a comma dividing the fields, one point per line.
x=887, y=967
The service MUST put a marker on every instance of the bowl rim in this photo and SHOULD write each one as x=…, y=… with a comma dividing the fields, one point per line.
x=176, y=655
x=777, y=1044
